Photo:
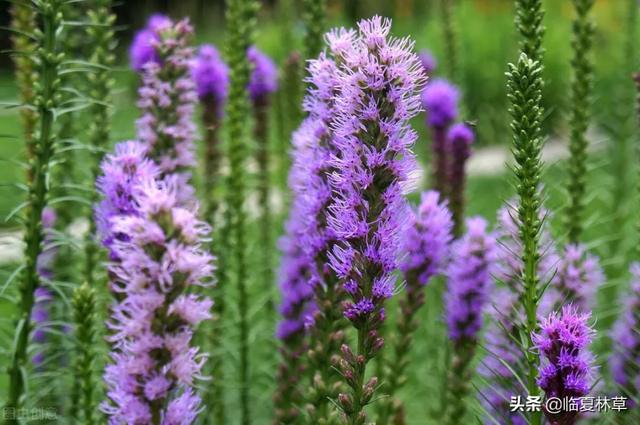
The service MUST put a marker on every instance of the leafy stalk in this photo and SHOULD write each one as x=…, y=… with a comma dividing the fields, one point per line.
x=241, y=20
x=450, y=39
x=581, y=87
x=23, y=23
x=529, y=16
x=315, y=22
x=100, y=35
x=84, y=309
x=524, y=92
x=45, y=102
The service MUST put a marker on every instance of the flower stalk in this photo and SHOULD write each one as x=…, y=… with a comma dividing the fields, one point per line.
x=46, y=101
x=581, y=88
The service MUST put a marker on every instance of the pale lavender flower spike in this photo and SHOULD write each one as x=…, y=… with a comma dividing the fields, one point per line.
x=425, y=242
x=470, y=280
x=579, y=276
x=154, y=364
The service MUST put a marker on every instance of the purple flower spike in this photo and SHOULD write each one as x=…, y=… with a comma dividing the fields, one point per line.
x=566, y=369
x=167, y=100
x=440, y=100
x=143, y=46
x=429, y=62
x=460, y=137
x=625, y=362
x=210, y=74
x=425, y=242
x=122, y=171
x=264, y=78
x=578, y=277
x=154, y=363
x=470, y=281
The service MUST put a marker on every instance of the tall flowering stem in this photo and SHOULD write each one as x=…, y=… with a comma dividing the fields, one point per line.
x=83, y=305
x=440, y=100
x=380, y=78
x=211, y=76
x=425, y=247
x=45, y=102
x=529, y=23
x=296, y=306
x=524, y=91
x=313, y=150
x=450, y=38
x=167, y=100
x=241, y=16
x=563, y=341
x=470, y=279
x=262, y=85
x=155, y=365
x=315, y=23
x=460, y=138
x=581, y=87
x=23, y=23
x=101, y=37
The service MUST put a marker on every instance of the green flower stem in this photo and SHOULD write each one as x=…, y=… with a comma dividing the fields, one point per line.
x=450, y=38
x=100, y=34
x=581, y=88
x=327, y=336
x=394, y=374
x=23, y=22
x=636, y=79
x=289, y=100
x=261, y=108
x=84, y=310
x=529, y=16
x=46, y=100
x=241, y=20
x=315, y=22
x=524, y=91
x=459, y=383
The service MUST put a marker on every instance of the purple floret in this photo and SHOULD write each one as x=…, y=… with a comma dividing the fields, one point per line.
x=428, y=61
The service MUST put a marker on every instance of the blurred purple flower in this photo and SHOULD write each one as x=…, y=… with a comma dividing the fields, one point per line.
x=470, y=280
x=440, y=100
x=264, y=76
x=578, y=277
x=425, y=242
x=143, y=47
x=428, y=61
x=211, y=75
x=625, y=361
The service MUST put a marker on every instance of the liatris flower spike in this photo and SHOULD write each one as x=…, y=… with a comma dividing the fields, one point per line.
x=625, y=362
x=566, y=371
x=211, y=76
x=264, y=77
x=440, y=100
x=167, y=100
x=380, y=78
x=578, y=277
x=470, y=279
x=424, y=249
x=155, y=365
x=460, y=137
x=143, y=47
